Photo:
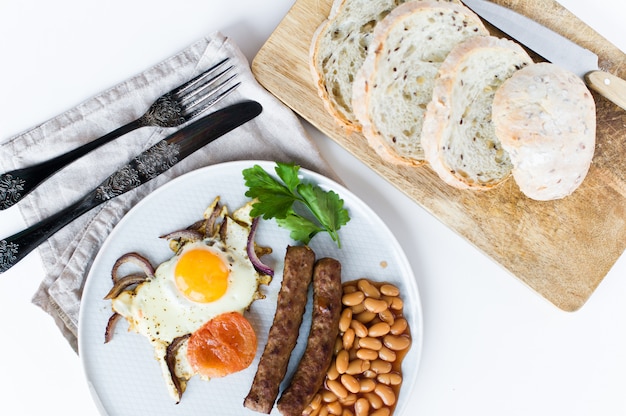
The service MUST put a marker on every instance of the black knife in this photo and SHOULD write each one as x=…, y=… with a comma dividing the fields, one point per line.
x=148, y=165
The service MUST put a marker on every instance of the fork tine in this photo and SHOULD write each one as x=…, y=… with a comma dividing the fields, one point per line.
x=197, y=80
x=207, y=86
x=201, y=104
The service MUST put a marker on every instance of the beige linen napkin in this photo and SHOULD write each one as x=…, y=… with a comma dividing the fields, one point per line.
x=274, y=135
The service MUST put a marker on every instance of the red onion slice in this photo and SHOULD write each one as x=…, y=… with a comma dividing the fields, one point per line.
x=186, y=234
x=135, y=258
x=108, y=332
x=170, y=359
x=122, y=284
x=256, y=262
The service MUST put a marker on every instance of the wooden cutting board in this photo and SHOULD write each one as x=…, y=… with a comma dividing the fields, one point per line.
x=561, y=249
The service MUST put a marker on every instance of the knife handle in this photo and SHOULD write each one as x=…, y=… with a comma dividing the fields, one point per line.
x=16, y=247
x=610, y=86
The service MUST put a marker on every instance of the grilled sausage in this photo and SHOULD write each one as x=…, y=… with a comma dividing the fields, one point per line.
x=319, y=349
x=283, y=334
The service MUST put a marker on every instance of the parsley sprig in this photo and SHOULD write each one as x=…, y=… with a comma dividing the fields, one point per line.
x=289, y=202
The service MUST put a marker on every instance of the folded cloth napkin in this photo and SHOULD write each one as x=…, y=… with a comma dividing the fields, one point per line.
x=274, y=135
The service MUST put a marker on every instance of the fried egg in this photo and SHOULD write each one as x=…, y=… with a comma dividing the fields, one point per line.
x=206, y=280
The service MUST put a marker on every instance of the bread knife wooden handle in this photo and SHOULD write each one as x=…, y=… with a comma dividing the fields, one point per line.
x=146, y=166
x=610, y=86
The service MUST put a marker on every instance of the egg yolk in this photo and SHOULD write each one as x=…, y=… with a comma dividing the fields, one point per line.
x=224, y=345
x=201, y=275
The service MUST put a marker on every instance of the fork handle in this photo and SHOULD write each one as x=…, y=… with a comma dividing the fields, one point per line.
x=16, y=184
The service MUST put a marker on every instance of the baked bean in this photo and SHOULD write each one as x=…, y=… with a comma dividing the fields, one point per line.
x=347, y=412
x=344, y=320
x=349, y=400
x=397, y=304
x=349, y=289
x=399, y=326
x=357, y=309
x=384, y=411
x=338, y=345
x=390, y=379
x=386, y=354
x=367, y=385
x=379, y=329
x=386, y=394
x=389, y=290
x=367, y=354
x=332, y=372
x=388, y=299
x=337, y=388
x=387, y=316
x=348, y=339
x=342, y=361
x=362, y=407
x=323, y=411
x=369, y=373
x=370, y=343
x=357, y=366
x=375, y=305
x=360, y=329
x=350, y=383
x=353, y=298
x=396, y=342
x=368, y=289
x=375, y=321
x=309, y=411
x=375, y=401
x=328, y=396
x=335, y=408
x=316, y=401
x=380, y=366
x=366, y=316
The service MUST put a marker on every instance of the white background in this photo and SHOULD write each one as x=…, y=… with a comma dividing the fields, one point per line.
x=491, y=345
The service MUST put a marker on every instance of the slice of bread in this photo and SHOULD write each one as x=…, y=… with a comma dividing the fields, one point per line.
x=338, y=49
x=395, y=83
x=459, y=136
x=545, y=119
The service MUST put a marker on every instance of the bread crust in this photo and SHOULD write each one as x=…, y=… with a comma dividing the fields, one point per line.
x=545, y=118
x=418, y=62
x=442, y=116
x=317, y=72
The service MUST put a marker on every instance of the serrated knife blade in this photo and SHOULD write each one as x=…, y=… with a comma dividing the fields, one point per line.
x=553, y=47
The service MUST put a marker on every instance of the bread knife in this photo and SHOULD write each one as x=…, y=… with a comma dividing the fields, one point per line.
x=146, y=166
x=552, y=47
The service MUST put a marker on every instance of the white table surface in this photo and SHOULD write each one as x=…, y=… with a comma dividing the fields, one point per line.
x=491, y=345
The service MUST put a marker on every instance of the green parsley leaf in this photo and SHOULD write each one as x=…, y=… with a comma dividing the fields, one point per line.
x=302, y=229
x=289, y=174
x=274, y=199
x=327, y=208
x=285, y=201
